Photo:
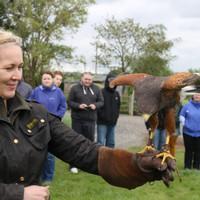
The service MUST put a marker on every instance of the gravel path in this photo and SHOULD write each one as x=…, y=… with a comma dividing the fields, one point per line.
x=130, y=131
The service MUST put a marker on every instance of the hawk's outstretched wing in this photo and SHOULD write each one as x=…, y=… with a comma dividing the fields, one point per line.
x=153, y=93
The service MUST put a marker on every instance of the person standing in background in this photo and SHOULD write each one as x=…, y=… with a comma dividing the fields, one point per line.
x=107, y=115
x=50, y=95
x=84, y=100
x=58, y=78
x=190, y=120
x=53, y=99
x=160, y=132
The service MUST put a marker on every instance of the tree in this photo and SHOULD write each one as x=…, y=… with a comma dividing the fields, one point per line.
x=42, y=24
x=194, y=70
x=155, y=56
x=132, y=47
x=117, y=40
x=152, y=64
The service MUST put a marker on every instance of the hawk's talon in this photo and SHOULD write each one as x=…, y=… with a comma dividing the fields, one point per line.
x=164, y=155
x=147, y=148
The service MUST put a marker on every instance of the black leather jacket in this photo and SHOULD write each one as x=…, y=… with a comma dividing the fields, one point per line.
x=27, y=133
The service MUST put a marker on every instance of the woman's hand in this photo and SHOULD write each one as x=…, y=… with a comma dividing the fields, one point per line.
x=35, y=192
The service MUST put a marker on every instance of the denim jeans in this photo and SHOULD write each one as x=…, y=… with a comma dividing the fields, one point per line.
x=106, y=135
x=159, y=138
x=48, y=169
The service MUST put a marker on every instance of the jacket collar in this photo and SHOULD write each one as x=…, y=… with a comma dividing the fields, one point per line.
x=86, y=88
x=195, y=103
x=13, y=105
x=53, y=87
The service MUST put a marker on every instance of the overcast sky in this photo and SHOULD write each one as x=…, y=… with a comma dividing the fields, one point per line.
x=180, y=17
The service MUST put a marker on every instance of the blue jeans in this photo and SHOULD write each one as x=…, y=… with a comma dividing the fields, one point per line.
x=159, y=138
x=48, y=169
x=106, y=135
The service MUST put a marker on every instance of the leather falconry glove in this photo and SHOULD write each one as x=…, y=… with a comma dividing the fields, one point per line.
x=130, y=170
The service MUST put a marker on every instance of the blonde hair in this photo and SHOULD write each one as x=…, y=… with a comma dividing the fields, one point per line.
x=7, y=37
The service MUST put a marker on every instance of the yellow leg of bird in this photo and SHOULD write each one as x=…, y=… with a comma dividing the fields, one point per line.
x=151, y=134
x=165, y=152
x=149, y=146
x=164, y=155
x=167, y=140
x=146, y=117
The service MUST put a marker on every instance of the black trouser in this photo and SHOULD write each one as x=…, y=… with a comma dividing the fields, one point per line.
x=86, y=128
x=192, y=152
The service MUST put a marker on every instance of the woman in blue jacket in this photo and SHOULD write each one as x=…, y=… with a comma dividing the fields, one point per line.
x=53, y=99
x=190, y=119
x=50, y=96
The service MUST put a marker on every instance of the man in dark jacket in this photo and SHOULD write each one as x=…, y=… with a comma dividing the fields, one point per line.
x=84, y=100
x=108, y=114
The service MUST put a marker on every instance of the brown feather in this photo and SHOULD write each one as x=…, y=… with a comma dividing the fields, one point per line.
x=170, y=126
x=127, y=79
x=155, y=93
x=179, y=80
x=170, y=123
x=153, y=121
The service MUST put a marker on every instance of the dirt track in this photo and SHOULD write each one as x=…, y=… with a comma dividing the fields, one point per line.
x=130, y=131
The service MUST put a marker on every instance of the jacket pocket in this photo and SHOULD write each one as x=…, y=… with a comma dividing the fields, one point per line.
x=37, y=132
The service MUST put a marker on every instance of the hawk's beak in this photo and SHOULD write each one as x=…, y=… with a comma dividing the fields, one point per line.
x=191, y=80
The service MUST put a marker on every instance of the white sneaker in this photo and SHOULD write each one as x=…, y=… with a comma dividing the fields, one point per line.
x=74, y=170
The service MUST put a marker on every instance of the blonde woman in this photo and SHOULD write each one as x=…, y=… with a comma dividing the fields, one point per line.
x=28, y=132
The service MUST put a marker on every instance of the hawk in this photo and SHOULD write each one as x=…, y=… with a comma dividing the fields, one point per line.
x=153, y=93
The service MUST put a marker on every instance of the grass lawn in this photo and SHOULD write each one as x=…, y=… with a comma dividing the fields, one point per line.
x=83, y=186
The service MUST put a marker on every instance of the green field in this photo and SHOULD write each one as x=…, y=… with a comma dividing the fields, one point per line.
x=83, y=186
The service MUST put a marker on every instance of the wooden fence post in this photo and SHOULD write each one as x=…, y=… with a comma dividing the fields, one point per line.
x=131, y=104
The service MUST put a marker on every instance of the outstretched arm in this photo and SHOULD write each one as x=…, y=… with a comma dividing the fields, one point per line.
x=118, y=167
